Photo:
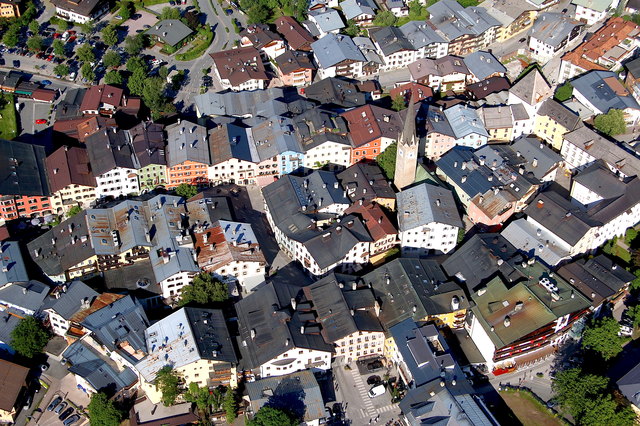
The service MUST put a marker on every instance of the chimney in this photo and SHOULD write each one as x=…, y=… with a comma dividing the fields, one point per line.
x=540, y=204
x=534, y=163
x=335, y=185
x=293, y=303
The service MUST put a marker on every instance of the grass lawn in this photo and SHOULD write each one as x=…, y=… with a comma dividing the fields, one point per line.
x=8, y=124
x=528, y=410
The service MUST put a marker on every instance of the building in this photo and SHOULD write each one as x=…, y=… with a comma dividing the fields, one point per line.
x=102, y=100
x=170, y=32
x=553, y=121
x=407, y=150
x=270, y=44
x=592, y=11
x=323, y=137
x=382, y=230
x=148, y=142
x=13, y=380
x=601, y=91
x=406, y=91
x=146, y=413
x=338, y=55
x=483, y=65
x=607, y=49
x=629, y=384
x=72, y=182
x=10, y=8
x=428, y=220
x=296, y=36
x=280, y=392
x=372, y=130
x=418, y=289
x=498, y=122
x=187, y=154
x=530, y=90
x=19, y=300
x=273, y=337
x=240, y=69
x=550, y=33
x=361, y=12
x=80, y=11
x=295, y=68
x=515, y=16
x=323, y=21
x=68, y=300
x=335, y=91
x=448, y=73
x=366, y=183
x=195, y=342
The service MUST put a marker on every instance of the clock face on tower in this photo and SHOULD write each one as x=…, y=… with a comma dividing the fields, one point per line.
x=400, y=153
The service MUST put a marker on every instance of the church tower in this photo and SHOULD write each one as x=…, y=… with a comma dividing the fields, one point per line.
x=407, y=154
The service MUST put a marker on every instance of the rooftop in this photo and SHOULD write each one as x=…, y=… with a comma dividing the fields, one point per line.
x=332, y=50
x=603, y=90
x=12, y=378
x=239, y=65
x=25, y=170
x=424, y=204
x=553, y=28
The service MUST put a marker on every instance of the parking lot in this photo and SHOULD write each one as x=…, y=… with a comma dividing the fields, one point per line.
x=30, y=111
x=75, y=399
x=137, y=25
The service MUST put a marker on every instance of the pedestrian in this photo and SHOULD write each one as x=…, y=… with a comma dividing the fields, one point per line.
x=370, y=421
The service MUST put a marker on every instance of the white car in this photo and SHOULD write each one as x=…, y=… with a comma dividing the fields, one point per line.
x=377, y=391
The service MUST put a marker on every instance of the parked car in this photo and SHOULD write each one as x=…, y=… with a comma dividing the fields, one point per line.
x=60, y=407
x=66, y=413
x=71, y=420
x=54, y=403
x=377, y=391
x=2, y=62
x=229, y=11
x=16, y=63
x=41, y=121
x=118, y=17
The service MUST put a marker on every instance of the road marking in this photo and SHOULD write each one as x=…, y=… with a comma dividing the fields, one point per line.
x=366, y=401
x=387, y=408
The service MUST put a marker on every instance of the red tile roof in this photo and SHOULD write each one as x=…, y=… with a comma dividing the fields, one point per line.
x=419, y=91
x=102, y=94
x=297, y=37
x=68, y=166
x=368, y=123
x=375, y=219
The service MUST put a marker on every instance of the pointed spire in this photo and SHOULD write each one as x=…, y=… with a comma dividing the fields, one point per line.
x=408, y=135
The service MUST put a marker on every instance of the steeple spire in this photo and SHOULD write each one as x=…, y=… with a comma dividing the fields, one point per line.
x=407, y=153
x=408, y=135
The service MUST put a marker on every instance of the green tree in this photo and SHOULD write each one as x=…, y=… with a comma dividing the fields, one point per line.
x=112, y=59
x=114, y=77
x=170, y=13
x=110, y=35
x=352, y=30
x=201, y=397
x=102, y=411
x=74, y=211
x=602, y=337
x=398, y=103
x=204, y=290
x=86, y=54
x=62, y=70
x=11, y=36
x=34, y=43
x=168, y=383
x=163, y=72
x=270, y=416
x=186, y=191
x=417, y=11
x=34, y=27
x=611, y=123
x=605, y=411
x=135, y=83
x=635, y=284
x=29, y=337
x=87, y=27
x=564, y=92
x=574, y=389
x=133, y=45
x=634, y=314
x=258, y=13
x=387, y=160
x=136, y=63
x=126, y=10
x=230, y=405
x=87, y=72
x=384, y=19
x=59, y=48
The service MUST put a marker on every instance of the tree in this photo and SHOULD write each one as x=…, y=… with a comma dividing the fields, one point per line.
x=269, y=416
x=74, y=211
x=185, y=190
x=29, y=337
x=635, y=284
x=602, y=337
x=564, y=92
x=258, y=14
x=112, y=59
x=204, y=290
x=230, y=405
x=135, y=63
x=87, y=72
x=87, y=27
x=605, y=411
x=352, y=30
x=102, y=411
x=110, y=35
x=34, y=43
x=192, y=19
x=114, y=77
x=61, y=70
x=133, y=45
x=169, y=13
x=398, y=103
x=11, y=36
x=384, y=19
x=59, y=48
x=611, y=123
x=201, y=397
x=34, y=27
x=168, y=382
x=135, y=83
x=86, y=54
x=125, y=11
x=574, y=389
x=163, y=72
x=387, y=160
x=634, y=314
x=63, y=25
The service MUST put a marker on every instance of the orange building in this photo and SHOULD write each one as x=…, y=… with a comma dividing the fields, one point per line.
x=189, y=172
x=15, y=206
x=187, y=154
x=372, y=130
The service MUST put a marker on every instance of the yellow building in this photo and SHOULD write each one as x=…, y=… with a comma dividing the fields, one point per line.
x=152, y=176
x=9, y=9
x=73, y=195
x=553, y=121
x=70, y=178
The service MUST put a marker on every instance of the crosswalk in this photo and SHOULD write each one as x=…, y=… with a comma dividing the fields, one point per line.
x=368, y=405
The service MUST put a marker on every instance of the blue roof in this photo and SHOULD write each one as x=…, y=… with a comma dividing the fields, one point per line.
x=70, y=301
x=13, y=263
x=604, y=93
x=483, y=64
x=477, y=181
x=327, y=19
x=465, y=121
x=355, y=8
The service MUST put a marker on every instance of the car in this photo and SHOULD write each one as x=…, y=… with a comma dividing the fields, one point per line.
x=60, y=407
x=2, y=62
x=229, y=11
x=54, y=403
x=374, y=380
x=172, y=3
x=41, y=121
x=57, y=35
x=66, y=413
x=146, y=26
x=522, y=40
x=50, y=58
x=377, y=391
x=16, y=63
x=72, y=75
x=118, y=17
x=43, y=367
x=374, y=366
x=27, y=402
x=71, y=420
x=564, y=10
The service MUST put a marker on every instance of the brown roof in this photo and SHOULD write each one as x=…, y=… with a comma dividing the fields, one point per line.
x=97, y=95
x=369, y=122
x=69, y=127
x=612, y=34
x=418, y=91
x=484, y=88
x=104, y=299
x=259, y=35
x=91, y=125
x=68, y=166
x=217, y=252
x=375, y=220
x=45, y=95
x=292, y=61
x=12, y=379
x=297, y=37
x=239, y=65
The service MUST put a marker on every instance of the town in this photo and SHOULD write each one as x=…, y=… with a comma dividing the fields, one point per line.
x=358, y=212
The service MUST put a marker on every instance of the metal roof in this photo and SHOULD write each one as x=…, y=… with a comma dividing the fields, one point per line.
x=425, y=204
x=332, y=49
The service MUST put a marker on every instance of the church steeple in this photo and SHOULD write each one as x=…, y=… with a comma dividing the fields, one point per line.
x=407, y=154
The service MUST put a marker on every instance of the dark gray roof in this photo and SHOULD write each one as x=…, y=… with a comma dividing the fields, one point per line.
x=365, y=181
x=171, y=31
x=69, y=302
x=559, y=113
x=633, y=67
x=109, y=149
x=553, y=28
x=254, y=103
x=390, y=40
x=13, y=268
x=319, y=120
x=477, y=178
x=598, y=178
x=421, y=34
x=424, y=204
x=403, y=284
x=629, y=385
x=98, y=371
x=603, y=90
x=24, y=169
x=455, y=21
x=335, y=91
x=26, y=296
x=483, y=64
x=137, y=278
x=210, y=332
x=481, y=258
x=121, y=321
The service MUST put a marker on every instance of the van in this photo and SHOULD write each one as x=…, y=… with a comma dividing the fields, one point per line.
x=377, y=391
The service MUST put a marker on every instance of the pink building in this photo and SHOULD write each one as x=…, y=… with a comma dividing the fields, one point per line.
x=295, y=68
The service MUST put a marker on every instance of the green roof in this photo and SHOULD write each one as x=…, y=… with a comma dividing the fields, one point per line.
x=597, y=5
